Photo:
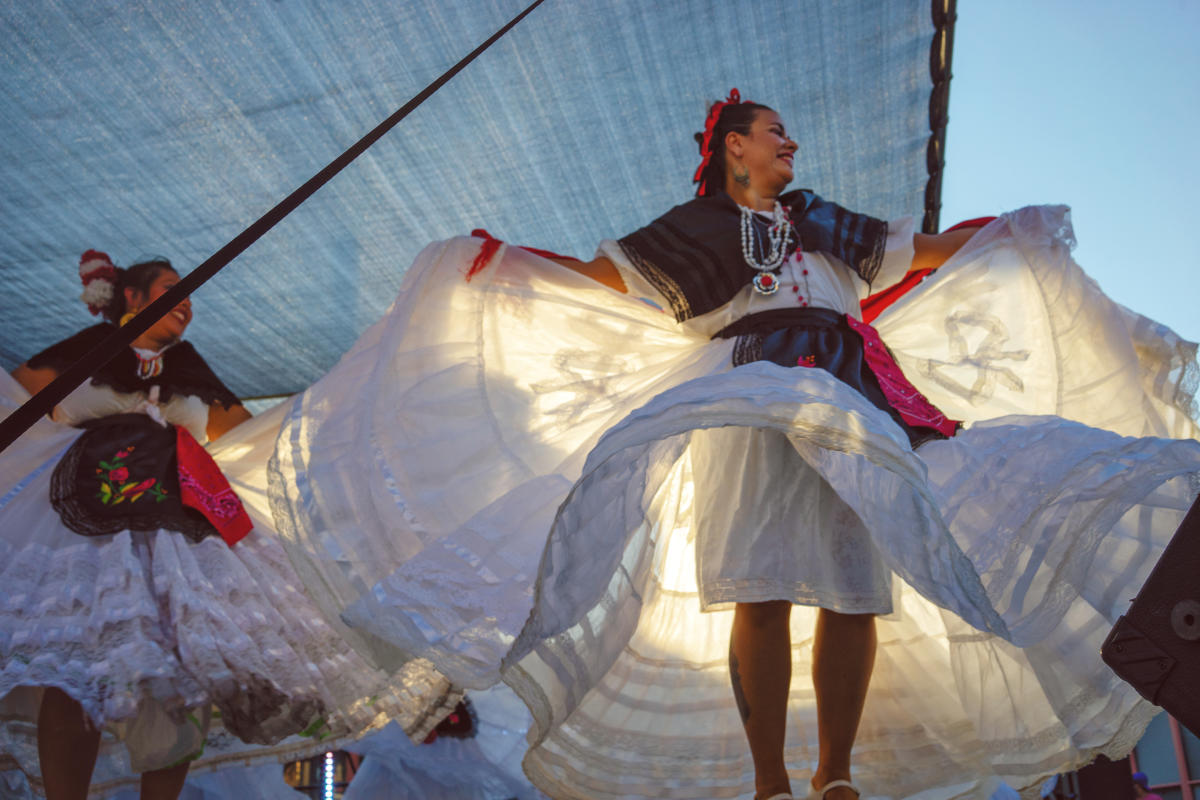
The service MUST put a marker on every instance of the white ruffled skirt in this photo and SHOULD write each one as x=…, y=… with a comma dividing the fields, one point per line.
x=152, y=633
x=518, y=478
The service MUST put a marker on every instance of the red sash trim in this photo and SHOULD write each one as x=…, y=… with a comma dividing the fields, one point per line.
x=204, y=488
x=491, y=244
x=901, y=395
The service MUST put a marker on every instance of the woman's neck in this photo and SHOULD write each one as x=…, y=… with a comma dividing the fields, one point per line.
x=752, y=199
x=154, y=345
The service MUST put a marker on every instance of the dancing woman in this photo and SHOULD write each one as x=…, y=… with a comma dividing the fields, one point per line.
x=139, y=591
x=701, y=421
x=778, y=525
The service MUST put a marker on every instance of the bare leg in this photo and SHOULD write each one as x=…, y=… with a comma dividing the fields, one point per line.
x=164, y=784
x=67, y=746
x=760, y=669
x=843, y=657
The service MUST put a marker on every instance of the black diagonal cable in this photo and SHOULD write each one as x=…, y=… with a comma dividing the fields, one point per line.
x=44, y=401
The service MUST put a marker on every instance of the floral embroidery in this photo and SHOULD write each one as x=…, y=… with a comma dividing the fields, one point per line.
x=806, y=361
x=116, y=485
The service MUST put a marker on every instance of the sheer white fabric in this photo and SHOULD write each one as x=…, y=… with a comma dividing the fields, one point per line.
x=419, y=479
x=148, y=630
x=486, y=766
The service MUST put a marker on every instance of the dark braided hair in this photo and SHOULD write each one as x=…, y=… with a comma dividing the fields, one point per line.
x=736, y=117
x=139, y=277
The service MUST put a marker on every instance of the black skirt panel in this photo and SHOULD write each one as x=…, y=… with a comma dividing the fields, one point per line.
x=122, y=474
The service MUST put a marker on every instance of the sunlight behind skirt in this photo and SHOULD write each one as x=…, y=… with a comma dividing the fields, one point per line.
x=419, y=481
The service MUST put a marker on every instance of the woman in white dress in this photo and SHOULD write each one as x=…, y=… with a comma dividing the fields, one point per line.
x=140, y=592
x=791, y=541
x=741, y=443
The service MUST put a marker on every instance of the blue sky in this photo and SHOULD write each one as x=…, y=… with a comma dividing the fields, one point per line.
x=1097, y=105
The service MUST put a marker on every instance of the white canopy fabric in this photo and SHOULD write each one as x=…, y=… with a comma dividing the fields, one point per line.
x=165, y=127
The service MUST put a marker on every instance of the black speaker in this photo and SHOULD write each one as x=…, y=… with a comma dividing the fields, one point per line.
x=1155, y=646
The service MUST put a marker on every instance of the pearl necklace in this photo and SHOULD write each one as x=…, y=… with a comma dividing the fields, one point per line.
x=778, y=234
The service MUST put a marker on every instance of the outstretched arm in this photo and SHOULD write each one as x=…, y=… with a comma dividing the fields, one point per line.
x=34, y=380
x=931, y=250
x=221, y=419
x=598, y=269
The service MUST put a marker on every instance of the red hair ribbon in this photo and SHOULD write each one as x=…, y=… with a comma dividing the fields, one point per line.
x=714, y=114
x=99, y=278
x=95, y=265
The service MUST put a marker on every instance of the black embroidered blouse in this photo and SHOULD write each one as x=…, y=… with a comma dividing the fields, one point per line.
x=692, y=254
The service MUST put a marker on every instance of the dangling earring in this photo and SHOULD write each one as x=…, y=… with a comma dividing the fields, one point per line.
x=741, y=175
x=128, y=315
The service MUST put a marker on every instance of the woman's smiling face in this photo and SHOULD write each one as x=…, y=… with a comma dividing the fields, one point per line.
x=170, y=328
x=766, y=152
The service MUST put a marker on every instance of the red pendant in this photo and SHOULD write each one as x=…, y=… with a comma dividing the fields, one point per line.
x=766, y=283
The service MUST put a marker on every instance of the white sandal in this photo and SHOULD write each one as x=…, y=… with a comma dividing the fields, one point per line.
x=819, y=794
x=781, y=796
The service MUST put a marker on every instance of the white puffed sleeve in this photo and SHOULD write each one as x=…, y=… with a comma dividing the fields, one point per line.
x=897, y=256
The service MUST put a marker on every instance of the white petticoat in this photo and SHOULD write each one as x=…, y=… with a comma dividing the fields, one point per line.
x=148, y=630
x=768, y=527
x=417, y=483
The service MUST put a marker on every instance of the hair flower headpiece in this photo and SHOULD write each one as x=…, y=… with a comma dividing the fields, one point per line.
x=99, y=278
x=714, y=114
